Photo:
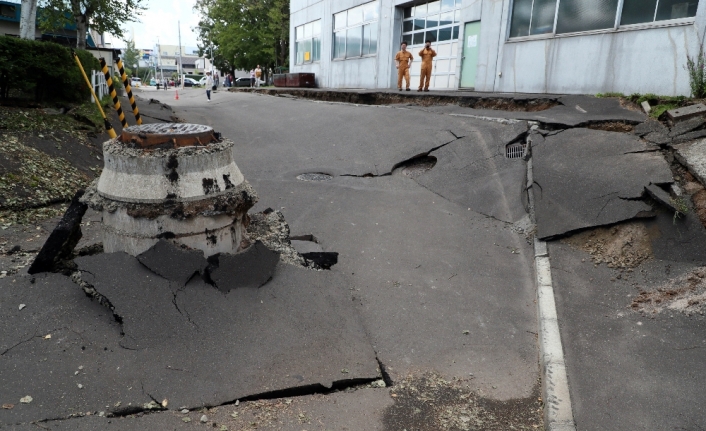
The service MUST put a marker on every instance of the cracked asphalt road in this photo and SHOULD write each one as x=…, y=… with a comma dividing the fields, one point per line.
x=433, y=290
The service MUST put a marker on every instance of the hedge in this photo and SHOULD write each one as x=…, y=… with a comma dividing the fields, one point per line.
x=44, y=71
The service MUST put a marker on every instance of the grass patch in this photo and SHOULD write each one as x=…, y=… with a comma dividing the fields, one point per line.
x=90, y=111
x=610, y=94
x=660, y=109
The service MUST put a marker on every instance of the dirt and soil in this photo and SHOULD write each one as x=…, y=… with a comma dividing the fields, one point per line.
x=45, y=156
x=623, y=246
x=685, y=294
x=431, y=403
x=612, y=126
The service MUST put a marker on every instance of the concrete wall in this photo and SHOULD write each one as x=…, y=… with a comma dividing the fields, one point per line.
x=650, y=59
x=646, y=60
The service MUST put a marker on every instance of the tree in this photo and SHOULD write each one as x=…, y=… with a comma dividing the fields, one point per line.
x=245, y=33
x=28, y=19
x=131, y=57
x=104, y=16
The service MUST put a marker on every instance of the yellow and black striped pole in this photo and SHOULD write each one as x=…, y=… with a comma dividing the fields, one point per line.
x=113, y=94
x=108, y=126
x=128, y=89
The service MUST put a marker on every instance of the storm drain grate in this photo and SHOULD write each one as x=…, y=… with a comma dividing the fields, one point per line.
x=314, y=176
x=515, y=151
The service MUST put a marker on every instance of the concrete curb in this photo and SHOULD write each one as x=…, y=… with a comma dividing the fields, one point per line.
x=558, y=413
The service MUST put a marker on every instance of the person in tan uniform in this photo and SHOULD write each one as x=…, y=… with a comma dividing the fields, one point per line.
x=426, y=54
x=403, y=60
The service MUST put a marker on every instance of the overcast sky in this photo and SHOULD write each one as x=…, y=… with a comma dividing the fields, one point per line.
x=160, y=21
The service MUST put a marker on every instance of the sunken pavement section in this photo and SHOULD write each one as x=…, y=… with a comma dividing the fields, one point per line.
x=199, y=300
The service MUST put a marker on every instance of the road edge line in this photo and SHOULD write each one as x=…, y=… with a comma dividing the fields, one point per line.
x=558, y=411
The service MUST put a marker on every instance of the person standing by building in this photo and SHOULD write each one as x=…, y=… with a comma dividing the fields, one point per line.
x=209, y=85
x=403, y=60
x=258, y=74
x=426, y=55
x=252, y=78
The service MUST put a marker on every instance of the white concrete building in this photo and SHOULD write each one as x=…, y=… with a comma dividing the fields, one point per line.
x=530, y=46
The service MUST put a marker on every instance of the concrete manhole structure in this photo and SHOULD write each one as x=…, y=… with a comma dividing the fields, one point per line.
x=171, y=181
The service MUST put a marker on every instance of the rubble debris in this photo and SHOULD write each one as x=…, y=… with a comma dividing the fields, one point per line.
x=61, y=242
x=685, y=113
x=685, y=294
x=622, y=246
x=646, y=106
x=272, y=229
x=174, y=262
x=252, y=267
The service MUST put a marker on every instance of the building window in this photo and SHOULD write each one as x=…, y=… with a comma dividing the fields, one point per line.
x=535, y=17
x=355, y=32
x=308, y=42
x=437, y=21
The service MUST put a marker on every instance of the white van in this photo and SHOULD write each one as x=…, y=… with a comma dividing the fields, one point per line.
x=135, y=82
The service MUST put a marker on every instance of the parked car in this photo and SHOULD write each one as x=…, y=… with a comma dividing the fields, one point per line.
x=189, y=82
x=135, y=82
x=153, y=82
x=245, y=82
x=202, y=81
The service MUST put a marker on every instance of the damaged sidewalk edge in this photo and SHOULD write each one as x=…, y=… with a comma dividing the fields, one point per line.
x=558, y=411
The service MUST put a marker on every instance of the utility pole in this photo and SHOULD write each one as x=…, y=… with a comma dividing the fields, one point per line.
x=159, y=60
x=28, y=19
x=181, y=78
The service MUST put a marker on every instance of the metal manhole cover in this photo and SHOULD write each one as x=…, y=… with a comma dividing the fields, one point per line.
x=515, y=151
x=314, y=176
x=171, y=134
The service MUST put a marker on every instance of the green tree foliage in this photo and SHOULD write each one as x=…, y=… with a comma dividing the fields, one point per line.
x=131, y=57
x=56, y=78
x=245, y=33
x=104, y=16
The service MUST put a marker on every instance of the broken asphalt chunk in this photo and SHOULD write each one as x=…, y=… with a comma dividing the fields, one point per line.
x=686, y=126
x=660, y=196
x=173, y=262
x=659, y=138
x=693, y=157
x=649, y=126
x=61, y=242
x=252, y=267
x=585, y=178
x=684, y=113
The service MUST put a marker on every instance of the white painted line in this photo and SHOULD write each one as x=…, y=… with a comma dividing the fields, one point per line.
x=558, y=413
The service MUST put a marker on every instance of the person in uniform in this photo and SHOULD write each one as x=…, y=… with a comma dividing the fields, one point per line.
x=426, y=55
x=403, y=60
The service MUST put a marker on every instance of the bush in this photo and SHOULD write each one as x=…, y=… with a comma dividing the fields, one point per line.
x=697, y=73
x=44, y=71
